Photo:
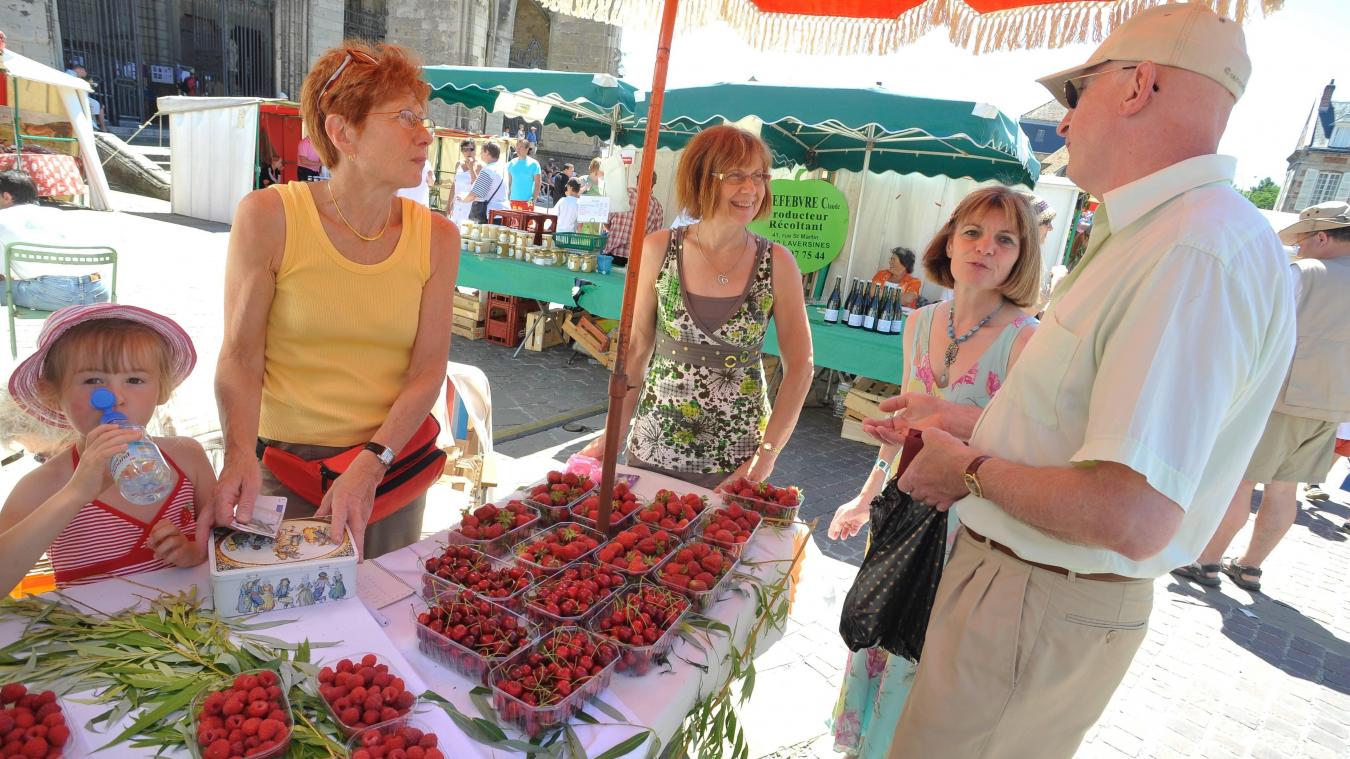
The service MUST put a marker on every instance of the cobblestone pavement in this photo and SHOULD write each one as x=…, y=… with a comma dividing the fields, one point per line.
x=1223, y=673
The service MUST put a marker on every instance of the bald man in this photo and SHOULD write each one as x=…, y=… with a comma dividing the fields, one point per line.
x=1109, y=456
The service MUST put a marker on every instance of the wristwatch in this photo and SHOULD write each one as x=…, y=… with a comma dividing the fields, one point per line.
x=768, y=447
x=384, y=453
x=973, y=482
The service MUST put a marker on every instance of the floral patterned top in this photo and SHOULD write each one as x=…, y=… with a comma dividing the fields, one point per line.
x=977, y=386
x=693, y=418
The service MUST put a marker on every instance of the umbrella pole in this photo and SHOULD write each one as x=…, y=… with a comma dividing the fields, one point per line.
x=618, y=381
x=862, y=191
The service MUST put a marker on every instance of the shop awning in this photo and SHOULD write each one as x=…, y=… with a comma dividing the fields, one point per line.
x=598, y=105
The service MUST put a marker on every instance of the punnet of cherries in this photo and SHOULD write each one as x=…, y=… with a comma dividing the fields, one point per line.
x=473, y=570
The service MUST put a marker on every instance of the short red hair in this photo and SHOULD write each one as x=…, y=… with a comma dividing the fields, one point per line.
x=715, y=150
x=358, y=90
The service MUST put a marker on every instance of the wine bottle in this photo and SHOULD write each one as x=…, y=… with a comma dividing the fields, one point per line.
x=884, y=313
x=898, y=314
x=873, y=310
x=860, y=308
x=832, y=305
x=850, y=304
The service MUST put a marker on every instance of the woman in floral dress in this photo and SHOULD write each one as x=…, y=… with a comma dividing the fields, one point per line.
x=705, y=295
x=957, y=355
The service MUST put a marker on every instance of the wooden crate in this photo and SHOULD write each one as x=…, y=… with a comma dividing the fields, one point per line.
x=470, y=307
x=852, y=430
x=584, y=337
x=866, y=396
x=541, y=337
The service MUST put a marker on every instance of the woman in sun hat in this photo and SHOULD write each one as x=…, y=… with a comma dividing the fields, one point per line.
x=69, y=507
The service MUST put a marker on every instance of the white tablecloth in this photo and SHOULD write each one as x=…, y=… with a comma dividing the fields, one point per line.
x=658, y=700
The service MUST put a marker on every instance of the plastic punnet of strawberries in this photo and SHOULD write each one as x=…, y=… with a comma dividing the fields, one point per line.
x=560, y=664
x=670, y=511
x=730, y=527
x=639, y=617
x=559, y=545
x=625, y=502
x=395, y=739
x=489, y=522
x=363, y=692
x=770, y=500
x=482, y=627
x=637, y=549
x=31, y=724
x=250, y=718
x=575, y=591
x=695, y=568
x=561, y=489
x=473, y=570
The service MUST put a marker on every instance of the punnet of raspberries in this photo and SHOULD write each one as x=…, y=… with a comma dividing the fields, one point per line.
x=395, y=739
x=362, y=692
x=250, y=718
x=473, y=570
x=637, y=549
x=625, y=502
x=31, y=724
x=489, y=521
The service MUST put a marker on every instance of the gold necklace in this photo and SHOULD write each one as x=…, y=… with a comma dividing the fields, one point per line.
x=354, y=230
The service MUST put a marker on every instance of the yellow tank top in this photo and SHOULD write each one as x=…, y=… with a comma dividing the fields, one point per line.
x=340, y=334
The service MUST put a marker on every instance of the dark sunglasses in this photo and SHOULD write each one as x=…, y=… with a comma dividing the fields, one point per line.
x=352, y=55
x=1072, y=91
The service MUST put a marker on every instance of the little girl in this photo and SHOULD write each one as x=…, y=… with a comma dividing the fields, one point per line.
x=70, y=507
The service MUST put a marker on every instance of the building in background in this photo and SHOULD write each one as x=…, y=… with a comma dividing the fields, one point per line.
x=1320, y=161
x=1041, y=125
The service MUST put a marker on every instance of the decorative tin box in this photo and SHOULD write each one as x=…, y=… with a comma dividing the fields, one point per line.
x=252, y=573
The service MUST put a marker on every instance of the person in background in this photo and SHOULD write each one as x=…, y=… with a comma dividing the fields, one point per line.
x=2, y=41
x=566, y=210
x=421, y=193
x=1299, y=442
x=559, y=180
x=901, y=272
x=23, y=220
x=1045, y=215
x=993, y=225
x=337, y=304
x=490, y=184
x=526, y=176
x=533, y=136
x=466, y=171
x=620, y=225
x=697, y=398
x=1109, y=456
x=593, y=183
x=309, y=164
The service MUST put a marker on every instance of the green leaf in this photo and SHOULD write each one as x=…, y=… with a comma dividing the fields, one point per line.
x=748, y=686
x=613, y=713
x=574, y=748
x=627, y=746
x=484, y=706
x=164, y=709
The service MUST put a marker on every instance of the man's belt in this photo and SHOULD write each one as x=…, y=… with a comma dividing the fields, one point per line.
x=702, y=354
x=997, y=546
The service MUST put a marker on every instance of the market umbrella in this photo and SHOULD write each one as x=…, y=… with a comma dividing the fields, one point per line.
x=860, y=129
x=835, y=27
x=598, y=105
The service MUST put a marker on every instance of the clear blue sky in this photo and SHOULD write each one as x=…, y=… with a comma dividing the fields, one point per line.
x=1295, y=52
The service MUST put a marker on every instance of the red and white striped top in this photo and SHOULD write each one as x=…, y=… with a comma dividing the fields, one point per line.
x=102, y=542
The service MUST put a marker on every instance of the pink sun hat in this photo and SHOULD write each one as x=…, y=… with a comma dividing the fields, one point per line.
x=23, y=383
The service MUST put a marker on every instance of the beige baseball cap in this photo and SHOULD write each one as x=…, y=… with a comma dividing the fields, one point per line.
x=1183, y=35
x=1334, y=214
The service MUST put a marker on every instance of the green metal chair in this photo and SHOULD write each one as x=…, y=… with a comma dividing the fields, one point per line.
x=50, y=255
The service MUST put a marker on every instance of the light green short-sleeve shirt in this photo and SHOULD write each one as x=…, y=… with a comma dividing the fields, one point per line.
x=1164, y=353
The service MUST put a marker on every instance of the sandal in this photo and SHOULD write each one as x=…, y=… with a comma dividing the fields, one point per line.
x=1235, y=572
x=1200, y=574
x=1315, y=493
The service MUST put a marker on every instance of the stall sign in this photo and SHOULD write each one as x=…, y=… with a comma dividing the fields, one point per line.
x=810, y=219
x=161, y=74
x=522, y=106
x=593, y=208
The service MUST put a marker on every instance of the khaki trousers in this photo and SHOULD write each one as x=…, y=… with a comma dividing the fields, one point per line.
x=1018, y=661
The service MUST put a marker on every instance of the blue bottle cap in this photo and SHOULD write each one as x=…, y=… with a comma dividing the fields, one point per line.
x=103, y=399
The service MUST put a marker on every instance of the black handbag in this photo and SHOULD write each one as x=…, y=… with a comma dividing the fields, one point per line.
x=478, y=210
x=893, y=594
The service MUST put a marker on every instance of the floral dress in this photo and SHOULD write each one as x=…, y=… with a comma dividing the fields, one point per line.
x=694, y=419
x=877, y=683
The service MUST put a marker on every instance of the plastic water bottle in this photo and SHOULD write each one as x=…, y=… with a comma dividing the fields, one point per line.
x=141, y=473
x=841, y=396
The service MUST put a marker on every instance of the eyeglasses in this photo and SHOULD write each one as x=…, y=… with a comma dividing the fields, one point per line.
x=740, y=177
x=1072, y=91
x=352, y=55
x=408, y=119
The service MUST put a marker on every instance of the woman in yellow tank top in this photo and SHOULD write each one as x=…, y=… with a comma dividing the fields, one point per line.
x=338, y=300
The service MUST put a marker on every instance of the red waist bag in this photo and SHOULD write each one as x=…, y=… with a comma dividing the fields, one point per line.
x=413, y=472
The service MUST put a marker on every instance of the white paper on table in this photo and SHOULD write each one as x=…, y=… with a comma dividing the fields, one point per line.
x=377, y=586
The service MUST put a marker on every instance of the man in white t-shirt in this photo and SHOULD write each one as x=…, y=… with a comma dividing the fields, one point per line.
x=1110, y=453
x=568, y=208
x=23, y=220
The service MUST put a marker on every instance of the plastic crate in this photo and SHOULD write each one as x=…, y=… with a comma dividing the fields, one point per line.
x=533, y=720
x=570, y=573
x=774, y=513
x=639, y=660
x=733, y=548
x=391, y=728
x=462, y=659
x=435, y=586
x=195, y=710
x=542, y=571
x=703, y=599
x=381, y=666
x=499, y=546
x=581, y=241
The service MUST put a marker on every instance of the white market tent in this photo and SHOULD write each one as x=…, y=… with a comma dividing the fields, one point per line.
x=214, y=160
x=43, y=89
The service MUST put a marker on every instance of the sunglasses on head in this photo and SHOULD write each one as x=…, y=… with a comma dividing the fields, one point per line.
x=1072, y=91
x=358, y=56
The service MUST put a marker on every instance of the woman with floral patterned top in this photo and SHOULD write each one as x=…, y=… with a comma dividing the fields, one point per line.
x=957, y=354
x=705, y=296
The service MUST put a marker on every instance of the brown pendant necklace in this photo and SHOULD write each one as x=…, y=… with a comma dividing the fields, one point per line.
x=955, y=347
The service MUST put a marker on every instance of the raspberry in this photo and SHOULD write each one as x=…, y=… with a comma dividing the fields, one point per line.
x=12, y=692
